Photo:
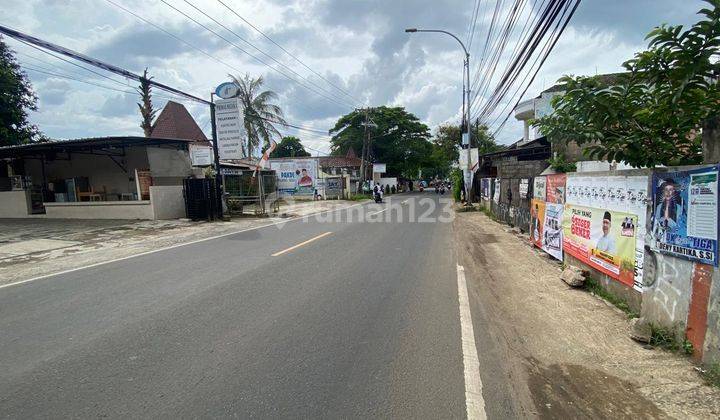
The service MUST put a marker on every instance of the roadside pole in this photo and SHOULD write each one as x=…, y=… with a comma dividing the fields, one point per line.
x=218, y=176
x=467, y=171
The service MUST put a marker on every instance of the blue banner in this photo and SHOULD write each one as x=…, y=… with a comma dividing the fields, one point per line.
x=685, y=214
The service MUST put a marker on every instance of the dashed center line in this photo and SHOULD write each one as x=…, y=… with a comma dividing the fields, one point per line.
x=322, y=235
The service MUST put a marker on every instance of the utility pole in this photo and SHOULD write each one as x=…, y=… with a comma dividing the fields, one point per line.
x=363, y=172
x=218, y=175
x=467, y=173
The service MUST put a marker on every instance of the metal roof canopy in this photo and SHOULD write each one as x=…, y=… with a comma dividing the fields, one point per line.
x=103, y=146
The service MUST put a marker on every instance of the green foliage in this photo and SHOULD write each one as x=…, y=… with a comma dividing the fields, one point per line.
x=457, y=181
x=651, y=115
x=147, y=112
x=393, y=190
x=483, y=140
x=594, y=287
x=289, y=146
x=16, y=99
x=559, y=164
x=259, y=112
x=387, y=189
x=398, y=138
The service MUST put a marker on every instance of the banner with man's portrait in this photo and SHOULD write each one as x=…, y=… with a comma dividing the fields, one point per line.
x=685, y=214
x=537, y=220
x=602, y=239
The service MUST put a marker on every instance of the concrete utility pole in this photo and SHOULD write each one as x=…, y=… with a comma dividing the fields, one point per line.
x=467, y=174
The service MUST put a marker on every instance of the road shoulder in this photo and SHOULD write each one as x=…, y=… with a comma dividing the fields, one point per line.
x=564, y=348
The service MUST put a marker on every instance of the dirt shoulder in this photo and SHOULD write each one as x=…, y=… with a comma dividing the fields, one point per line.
x=33, y=248
x=570, y=350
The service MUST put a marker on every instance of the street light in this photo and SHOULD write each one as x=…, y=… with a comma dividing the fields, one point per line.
x=466, y=109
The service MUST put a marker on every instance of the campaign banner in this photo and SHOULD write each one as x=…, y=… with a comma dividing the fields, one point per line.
x=539, y=188
x=496, y=191
x=295, y=176
x=552, y=242
x=685, y=214
x=537, y=219
x=626, y=194
x=485, y=188
x=555, y=188
x=603, y=239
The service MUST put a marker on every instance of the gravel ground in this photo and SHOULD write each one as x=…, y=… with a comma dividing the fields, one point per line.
x=572, y=349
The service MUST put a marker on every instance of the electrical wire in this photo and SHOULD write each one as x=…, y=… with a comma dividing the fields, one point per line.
x=229, y=42
x=287, y=52
x=281, y=64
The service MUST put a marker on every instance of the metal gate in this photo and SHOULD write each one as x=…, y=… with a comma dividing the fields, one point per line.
x=200, y=199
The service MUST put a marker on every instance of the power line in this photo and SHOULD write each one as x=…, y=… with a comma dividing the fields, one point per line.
x=288, y=52
x=248, y=53
x=281, y=64
x=94, y=62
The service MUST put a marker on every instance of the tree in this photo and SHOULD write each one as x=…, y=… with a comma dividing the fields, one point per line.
x=654, y=113
x=289, y=146
x=147, y=112
x=483, y=139
x=398, y=138
x=260, y=114
x=16, y=99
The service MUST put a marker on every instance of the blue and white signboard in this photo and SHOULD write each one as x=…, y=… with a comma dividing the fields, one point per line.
x=227, y=90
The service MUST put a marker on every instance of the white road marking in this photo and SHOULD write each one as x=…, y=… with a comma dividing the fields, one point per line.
x=378, y=212
x=474, y=402
x=291, y=219
x=322, y=235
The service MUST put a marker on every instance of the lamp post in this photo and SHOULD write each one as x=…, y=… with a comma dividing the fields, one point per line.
x=467, y=175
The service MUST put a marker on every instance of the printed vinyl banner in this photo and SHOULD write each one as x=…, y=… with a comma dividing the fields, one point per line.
x=523, y=188
x=625, y=194
x=537, y=219
x=685, y=214
x=539, y=188
x=485, y=188
x=552, y=242
x=602, y=239
x=496, y=191
x=555, y=192
x=295, y=176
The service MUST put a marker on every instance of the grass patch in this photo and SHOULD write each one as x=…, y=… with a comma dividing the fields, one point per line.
x=360, y=197
x=666, y=339
x=594, y=287
x=711, y=375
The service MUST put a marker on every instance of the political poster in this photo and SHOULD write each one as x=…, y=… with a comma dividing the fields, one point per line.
x=555, y=188
x=552, y=242
x=625, y=194
x=295, y=176
x=496, y=191
x=539, y=188
x=685, y=214
x=537, y=220
x=485, y=188
x=603, y=239
x=230, y=127
x=523, y=188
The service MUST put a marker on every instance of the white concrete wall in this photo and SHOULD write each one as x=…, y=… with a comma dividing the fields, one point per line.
x=15, y=203
x=167, y=202
x=100, y=210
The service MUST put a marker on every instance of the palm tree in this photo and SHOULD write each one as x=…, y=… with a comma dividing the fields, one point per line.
x=259, y=113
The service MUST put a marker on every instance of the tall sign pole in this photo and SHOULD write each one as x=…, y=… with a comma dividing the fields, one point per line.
x=218, y=176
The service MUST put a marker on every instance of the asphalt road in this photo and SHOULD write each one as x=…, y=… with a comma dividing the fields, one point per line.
x=362, y=321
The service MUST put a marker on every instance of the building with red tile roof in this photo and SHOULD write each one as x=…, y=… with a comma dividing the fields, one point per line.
x=175, y=122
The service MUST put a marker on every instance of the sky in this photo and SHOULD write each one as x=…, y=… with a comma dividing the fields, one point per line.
x=336, y=55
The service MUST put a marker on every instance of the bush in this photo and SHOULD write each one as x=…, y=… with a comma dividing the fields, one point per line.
x=457, y=181
x=387, y=190
x=393, y=190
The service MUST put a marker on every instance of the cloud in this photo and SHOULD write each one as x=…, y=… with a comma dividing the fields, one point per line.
x=360, y=46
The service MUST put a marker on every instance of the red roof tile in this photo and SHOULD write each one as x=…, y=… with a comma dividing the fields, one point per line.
x=175, y=122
